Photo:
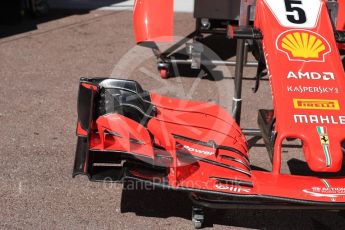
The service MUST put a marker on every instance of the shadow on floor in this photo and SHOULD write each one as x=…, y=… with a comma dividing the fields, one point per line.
x=299, y=167
x=85, y=4
x=26, y=23
x=166, y=203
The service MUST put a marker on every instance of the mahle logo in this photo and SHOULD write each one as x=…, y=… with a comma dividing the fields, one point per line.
x=303, y=45
x=316, y=104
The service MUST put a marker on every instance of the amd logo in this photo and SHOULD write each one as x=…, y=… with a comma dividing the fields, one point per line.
x=326, y=76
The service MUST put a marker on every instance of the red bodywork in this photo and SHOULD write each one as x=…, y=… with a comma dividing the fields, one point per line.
x=341, y=19
x=311, y=107
x=341, y=15
x=202, y=149
x=153, y=20
x=199, y=145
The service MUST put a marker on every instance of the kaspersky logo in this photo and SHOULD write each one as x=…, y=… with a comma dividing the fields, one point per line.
x=303, y=45
x=317, y=104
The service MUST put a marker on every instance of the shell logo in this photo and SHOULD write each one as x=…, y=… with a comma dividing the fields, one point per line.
x=303, y=45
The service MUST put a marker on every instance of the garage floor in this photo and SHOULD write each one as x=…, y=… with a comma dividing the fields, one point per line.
x=40, y=65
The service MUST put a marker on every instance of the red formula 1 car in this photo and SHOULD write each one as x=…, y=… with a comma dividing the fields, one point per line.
x=127, y=133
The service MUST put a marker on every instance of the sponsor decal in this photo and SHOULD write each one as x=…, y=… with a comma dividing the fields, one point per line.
x=204, y=152
x=232, y=188
x=312, y=89
x=326, y=191
x=322, y=131
x=326, y=76
x=319, y=119
x=316, y=104
x=295, y=13
x=303, y=45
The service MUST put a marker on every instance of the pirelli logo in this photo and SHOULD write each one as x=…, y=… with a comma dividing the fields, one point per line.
x=316, y=104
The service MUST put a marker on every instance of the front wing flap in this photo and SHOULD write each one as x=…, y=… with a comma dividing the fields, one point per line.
x=181, y=145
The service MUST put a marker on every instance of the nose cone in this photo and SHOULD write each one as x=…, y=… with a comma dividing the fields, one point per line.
x=323, y=150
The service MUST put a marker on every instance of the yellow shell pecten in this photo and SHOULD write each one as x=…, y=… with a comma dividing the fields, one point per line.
x=303, y=45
